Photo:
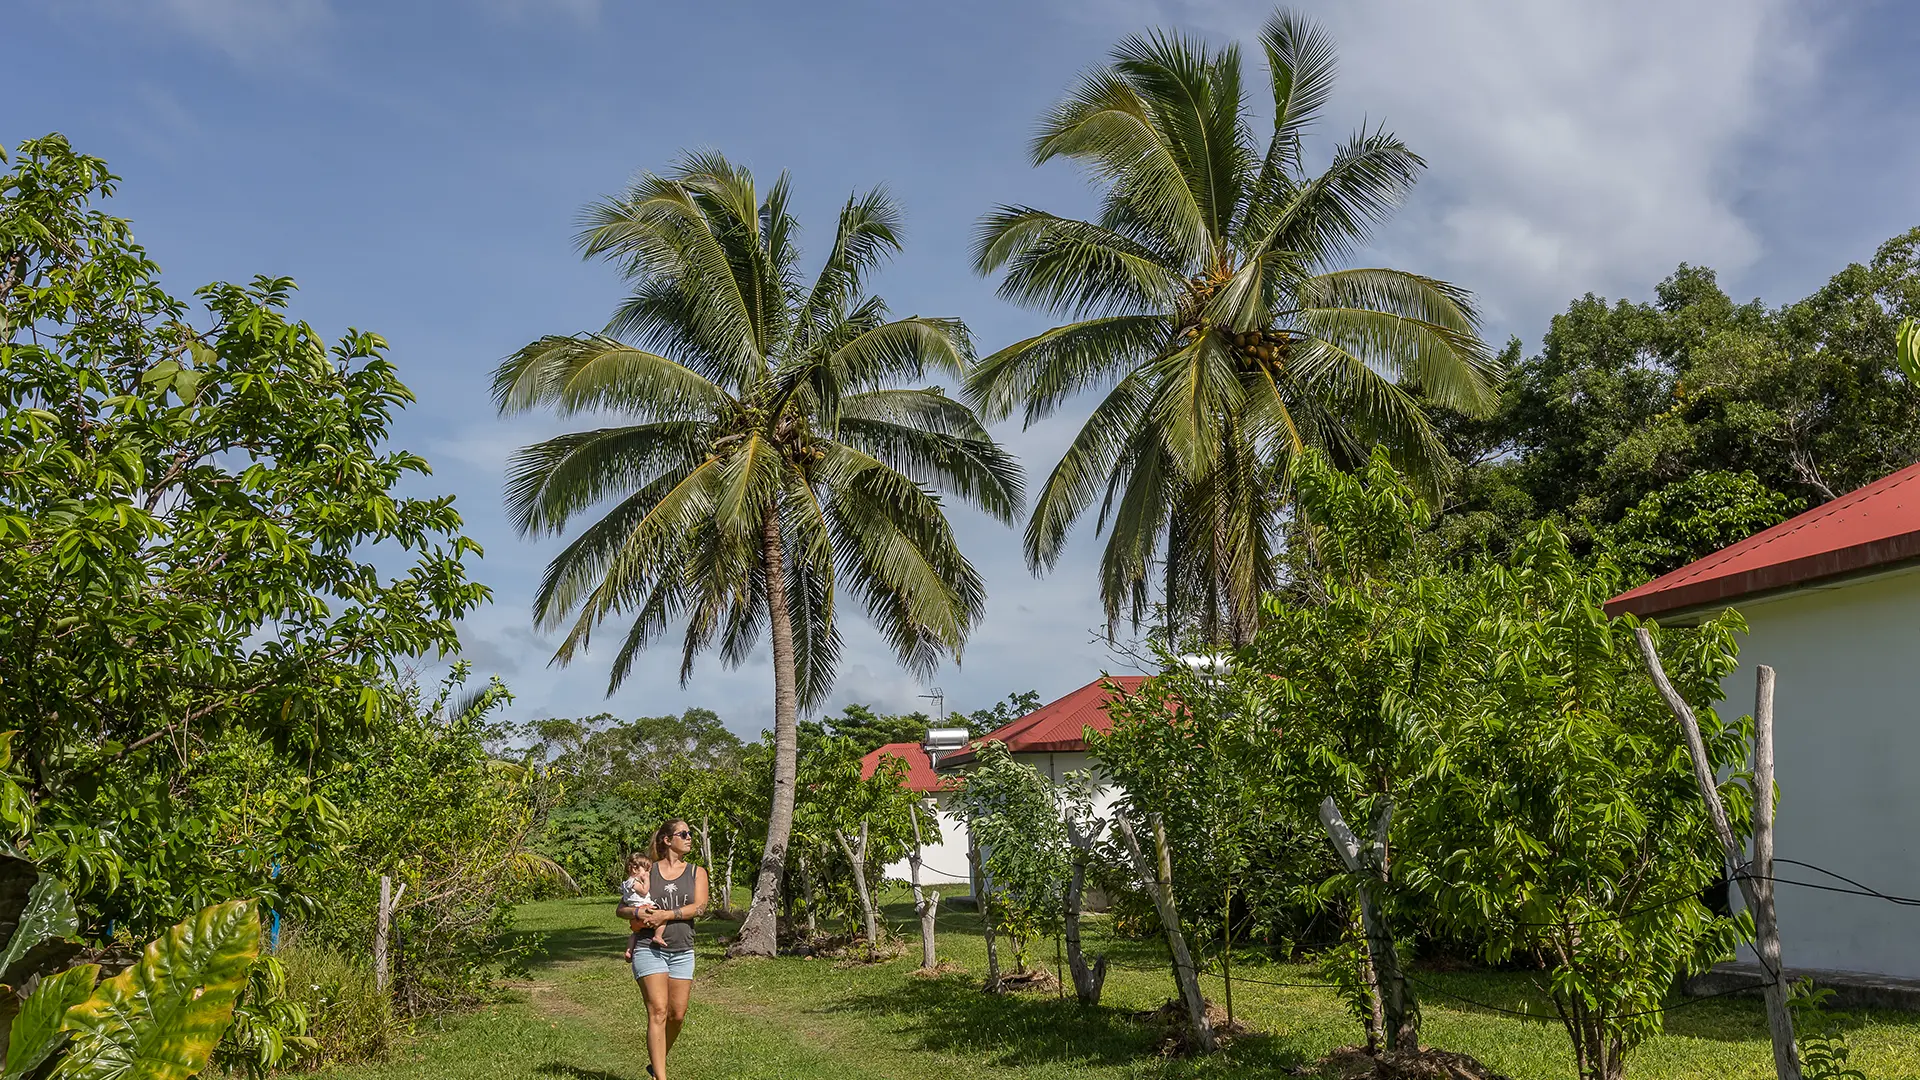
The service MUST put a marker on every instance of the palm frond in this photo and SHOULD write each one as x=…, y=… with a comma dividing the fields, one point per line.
x=1106, y=124
x=1416, y=328
x=1060, y=265
x=591, y=372
x=549, y=482
x=1040, y=373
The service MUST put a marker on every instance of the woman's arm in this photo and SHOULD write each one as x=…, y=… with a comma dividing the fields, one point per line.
x=699, y=892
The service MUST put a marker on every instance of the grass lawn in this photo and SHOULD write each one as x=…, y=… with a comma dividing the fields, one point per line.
x=580, y=1018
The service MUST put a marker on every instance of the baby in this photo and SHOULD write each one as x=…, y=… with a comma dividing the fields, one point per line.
x=633, y=894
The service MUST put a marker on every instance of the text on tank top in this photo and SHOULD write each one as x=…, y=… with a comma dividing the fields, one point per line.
x=671, y=893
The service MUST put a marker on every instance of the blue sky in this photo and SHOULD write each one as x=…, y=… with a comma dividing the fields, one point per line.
x=417, y=168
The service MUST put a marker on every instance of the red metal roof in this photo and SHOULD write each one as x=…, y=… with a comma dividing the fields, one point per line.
x=1870, y=528
x=920, y=775
x=1058, y=725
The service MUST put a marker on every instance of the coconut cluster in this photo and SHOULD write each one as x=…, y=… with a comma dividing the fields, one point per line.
x=1269, y=346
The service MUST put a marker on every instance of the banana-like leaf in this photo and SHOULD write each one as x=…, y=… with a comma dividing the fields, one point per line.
x=38, y=1030
x=42, y=933
x=1909, y=350
x=161, y=1018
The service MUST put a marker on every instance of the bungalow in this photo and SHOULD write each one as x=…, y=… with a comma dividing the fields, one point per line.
x=1832, y=603
x=1052, y=739
x=943, y=857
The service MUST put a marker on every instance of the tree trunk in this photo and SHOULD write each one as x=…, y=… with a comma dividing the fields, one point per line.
x=1374, y=1020
x=1160, y=881
x=925, y=903
x=726, y=889
x=1086, y=981
x=857, y=858
x=980, y=892
x=757, y=933
x=806, y=881
x=706, y=845
x=1401, y=1015
x=1756, y=885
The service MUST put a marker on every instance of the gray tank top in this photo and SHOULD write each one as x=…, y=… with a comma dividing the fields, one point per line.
x=672, y=893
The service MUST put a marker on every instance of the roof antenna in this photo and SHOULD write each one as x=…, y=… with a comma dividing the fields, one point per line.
x=939, y=698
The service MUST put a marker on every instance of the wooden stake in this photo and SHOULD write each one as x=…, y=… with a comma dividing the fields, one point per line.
x=382, y=922
x=1756, y=880
x=1161, y=883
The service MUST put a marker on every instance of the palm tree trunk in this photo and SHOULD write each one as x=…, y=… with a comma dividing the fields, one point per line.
x=758, y=936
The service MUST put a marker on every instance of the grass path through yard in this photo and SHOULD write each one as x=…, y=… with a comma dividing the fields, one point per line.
x=579, y=1017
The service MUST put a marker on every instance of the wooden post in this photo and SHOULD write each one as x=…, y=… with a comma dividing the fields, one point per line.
x=922, y=906
x=1160, y=879
x=382, y=922
x=1226, y=948
x=1756, y=881
x=1401, y=1022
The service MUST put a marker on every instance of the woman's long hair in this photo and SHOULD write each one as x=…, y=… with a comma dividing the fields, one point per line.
x=660, y=835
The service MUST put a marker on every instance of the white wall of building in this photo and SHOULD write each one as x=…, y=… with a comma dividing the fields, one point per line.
x=943, y=859
x=1847, y=750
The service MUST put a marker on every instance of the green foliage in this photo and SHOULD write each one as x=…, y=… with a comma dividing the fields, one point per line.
x=1557, y=814
x=162, y=1017
x=423, y=801
x=1015, y=816
x=837, y=808
x=188, y=511
x=1690, y=519
x=351, y=1019
x=1820, y=1034
x=1215, y=321
x=1627, y=399
x=270, y=1025
x=770, y=427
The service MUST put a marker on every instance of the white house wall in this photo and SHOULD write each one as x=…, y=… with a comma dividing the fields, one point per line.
x=1847, y=750
x=943, y=861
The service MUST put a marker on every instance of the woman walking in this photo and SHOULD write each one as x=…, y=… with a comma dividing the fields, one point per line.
x=664, y=967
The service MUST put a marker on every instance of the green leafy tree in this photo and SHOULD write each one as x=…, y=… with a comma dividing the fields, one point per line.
x=773, y=455
x=1690, y=519
x=871, y=730
x=1014, y=815
x=1215, y=317
x=162, y=1017
x=867, y=821
x=1626, y=399
x=188, y=514
x=1338, y=679
x=1000, y=713
x=1557, y=816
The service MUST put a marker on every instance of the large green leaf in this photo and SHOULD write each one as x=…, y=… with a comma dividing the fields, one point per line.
x=38, y=1030
x=41, y=933
x=161, y=1018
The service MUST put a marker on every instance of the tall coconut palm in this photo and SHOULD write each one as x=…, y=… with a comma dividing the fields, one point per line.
x=1212, y=311
x=767, y=454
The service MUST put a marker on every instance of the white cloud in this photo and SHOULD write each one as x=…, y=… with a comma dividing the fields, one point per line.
x=1571, y=146
x=246, y=30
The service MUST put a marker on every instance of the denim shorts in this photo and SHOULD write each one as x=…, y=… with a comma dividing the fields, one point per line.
x=650, y=959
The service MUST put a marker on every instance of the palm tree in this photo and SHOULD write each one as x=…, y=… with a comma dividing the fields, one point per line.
x=1211, y=311
x=771, y=455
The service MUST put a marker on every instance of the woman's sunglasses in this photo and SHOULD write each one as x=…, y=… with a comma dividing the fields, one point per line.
x=683, y=834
